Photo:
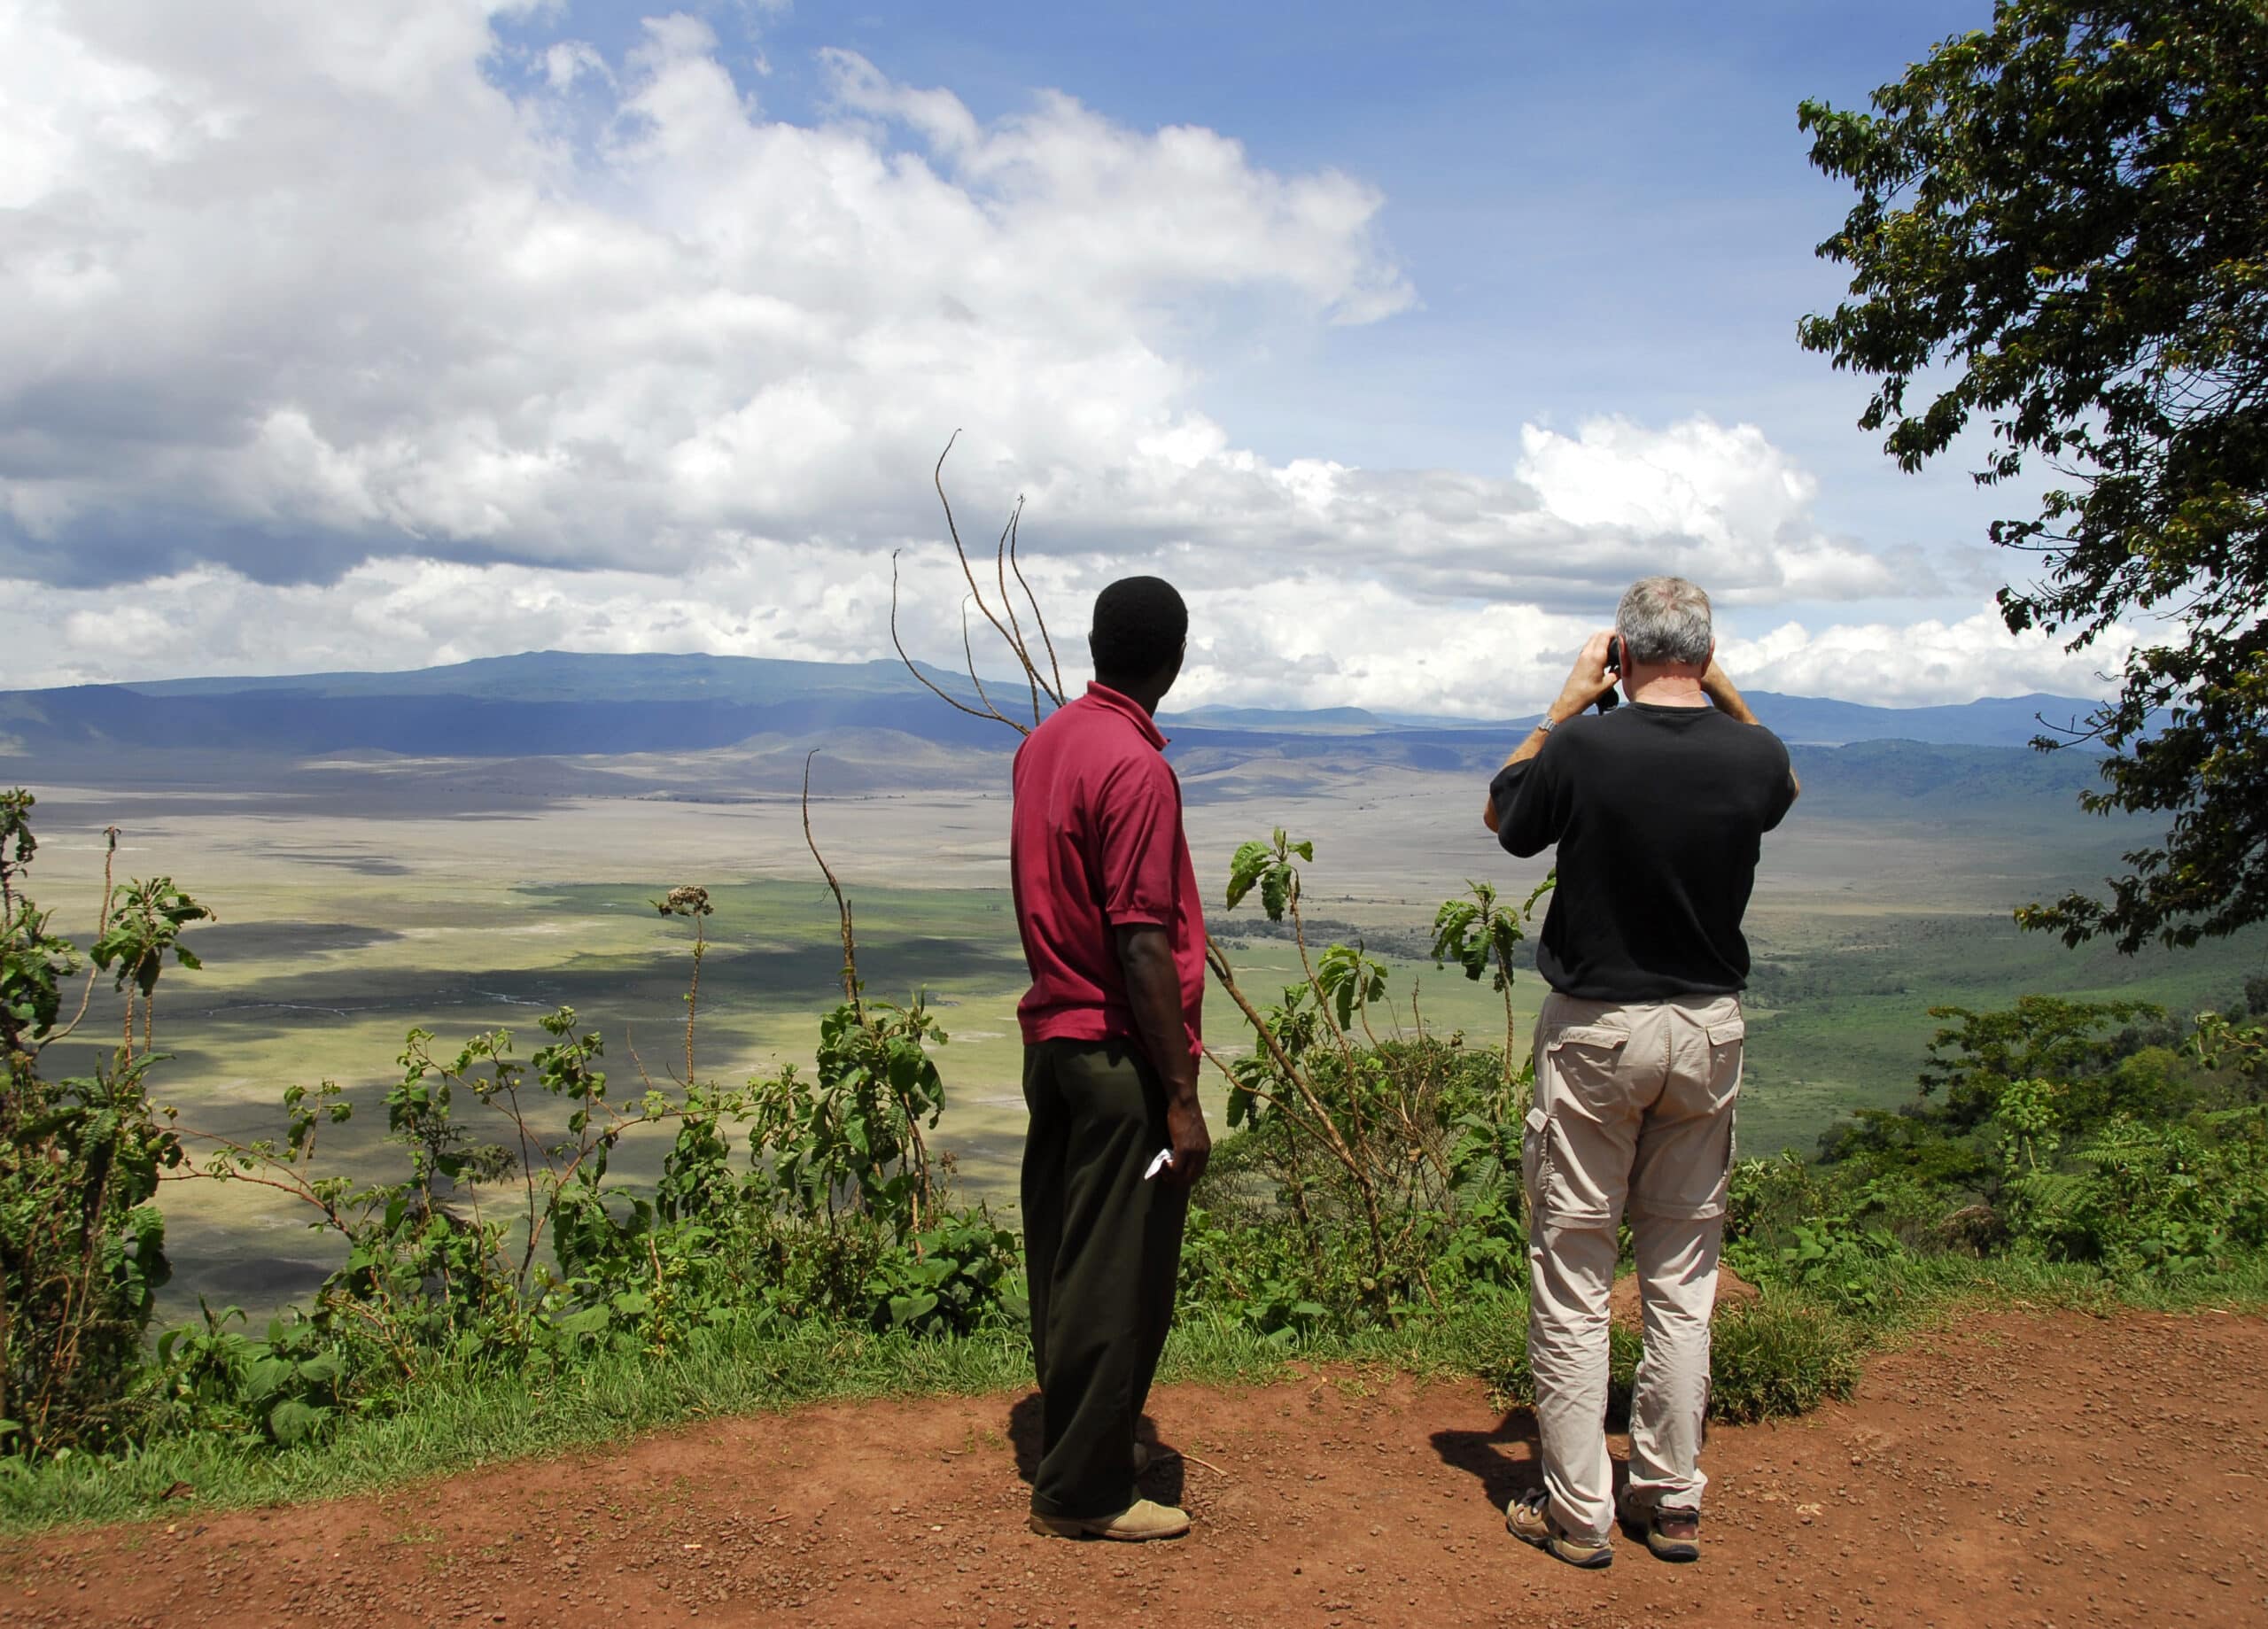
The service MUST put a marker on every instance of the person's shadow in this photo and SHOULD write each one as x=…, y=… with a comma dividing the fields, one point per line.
x=1484, y=1456
x=1162, y=1481
x=1505, y=1475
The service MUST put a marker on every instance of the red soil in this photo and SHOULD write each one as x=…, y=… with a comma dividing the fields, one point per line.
x=2017, y=1470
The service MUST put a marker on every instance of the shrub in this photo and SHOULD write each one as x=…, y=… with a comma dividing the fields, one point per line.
x=1373, y=1175
x=81, y=1245
x=2037, y=1134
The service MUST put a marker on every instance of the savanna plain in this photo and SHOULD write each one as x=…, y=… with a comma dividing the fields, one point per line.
x=1356, y=1480
x=358, y=899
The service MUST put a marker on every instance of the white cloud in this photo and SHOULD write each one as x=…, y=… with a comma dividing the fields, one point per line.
x=1910, y=664
x=1303, y=639
x=343, y=294
x=346, y=335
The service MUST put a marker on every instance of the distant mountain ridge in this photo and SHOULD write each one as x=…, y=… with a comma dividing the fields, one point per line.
x=1801, y=720
x=560, y=703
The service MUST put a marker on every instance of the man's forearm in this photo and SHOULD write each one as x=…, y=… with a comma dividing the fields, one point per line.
x=1153, y=992
x=1726, y=697
x=1588, y=681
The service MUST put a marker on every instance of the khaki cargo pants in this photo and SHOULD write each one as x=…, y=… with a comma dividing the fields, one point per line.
x=1633, y=1110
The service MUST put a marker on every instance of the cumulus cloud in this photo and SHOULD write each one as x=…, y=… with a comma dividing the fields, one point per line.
x=368, y=289
x=1301, y=640
x=349, y=334
x=1910, y=664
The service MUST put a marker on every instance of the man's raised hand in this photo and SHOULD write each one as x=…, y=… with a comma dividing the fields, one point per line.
x=1588, y=679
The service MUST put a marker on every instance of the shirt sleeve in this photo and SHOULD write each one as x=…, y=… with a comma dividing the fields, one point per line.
x=1138, y=823
x=1783, y=787
x=1530, y=816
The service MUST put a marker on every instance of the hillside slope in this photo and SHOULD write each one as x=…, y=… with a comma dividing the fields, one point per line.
x=556, y=702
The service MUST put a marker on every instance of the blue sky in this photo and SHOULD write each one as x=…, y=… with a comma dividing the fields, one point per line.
x=1385, y=330
x=1607, y=208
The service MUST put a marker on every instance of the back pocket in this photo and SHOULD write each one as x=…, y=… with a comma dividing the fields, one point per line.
x=1586, y=1062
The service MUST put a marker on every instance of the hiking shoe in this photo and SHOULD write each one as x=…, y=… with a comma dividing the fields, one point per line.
x=1141, y=1521
x=1529, y=1520
x=1672, y=1532
x=1675, y=1535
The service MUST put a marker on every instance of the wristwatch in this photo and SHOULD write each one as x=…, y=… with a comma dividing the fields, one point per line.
x=1547, y=723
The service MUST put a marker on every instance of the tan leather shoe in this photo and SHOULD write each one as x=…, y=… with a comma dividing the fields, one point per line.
x=1143, y=1520
x=1529, y=1519
x=1671, y=1532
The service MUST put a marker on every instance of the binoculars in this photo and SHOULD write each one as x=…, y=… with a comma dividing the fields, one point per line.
x=1612, y=699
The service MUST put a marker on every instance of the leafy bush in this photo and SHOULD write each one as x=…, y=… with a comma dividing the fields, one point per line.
x=2043, y=1131
x=81, y=1245
x=837, y=1212
x=2150, y=1199
x=1372, y=1176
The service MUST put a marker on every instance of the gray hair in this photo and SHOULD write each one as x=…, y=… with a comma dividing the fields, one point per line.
x=1664, y=619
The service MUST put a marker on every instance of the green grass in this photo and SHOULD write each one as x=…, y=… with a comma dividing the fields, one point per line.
x=1786, y=1353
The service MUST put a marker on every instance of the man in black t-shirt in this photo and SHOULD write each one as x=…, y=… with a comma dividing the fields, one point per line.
x=1656, y=809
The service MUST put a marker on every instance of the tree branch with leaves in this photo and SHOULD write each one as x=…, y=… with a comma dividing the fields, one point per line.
x=2062, y=232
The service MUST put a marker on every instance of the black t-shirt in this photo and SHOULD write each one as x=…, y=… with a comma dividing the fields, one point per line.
x=1658, y=813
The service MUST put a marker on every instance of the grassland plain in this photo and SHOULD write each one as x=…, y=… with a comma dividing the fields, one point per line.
x=438, y=897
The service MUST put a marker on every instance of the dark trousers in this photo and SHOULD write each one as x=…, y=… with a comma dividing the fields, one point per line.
x=1102, y=1250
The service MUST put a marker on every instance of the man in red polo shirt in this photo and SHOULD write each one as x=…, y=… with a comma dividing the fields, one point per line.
x=1106, y=904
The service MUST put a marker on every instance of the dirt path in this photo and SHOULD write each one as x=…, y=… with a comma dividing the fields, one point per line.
x=2015, y=1471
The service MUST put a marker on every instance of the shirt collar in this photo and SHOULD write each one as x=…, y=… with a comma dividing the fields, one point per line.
x=1103, y=696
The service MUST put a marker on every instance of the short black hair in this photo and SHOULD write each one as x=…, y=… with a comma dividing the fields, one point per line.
x=1140, y=623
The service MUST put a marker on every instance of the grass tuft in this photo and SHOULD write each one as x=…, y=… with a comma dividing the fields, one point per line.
x=1780, y=1354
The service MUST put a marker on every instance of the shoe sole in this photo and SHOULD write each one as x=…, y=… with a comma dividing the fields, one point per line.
x=1050, y=1527
x=1594, y=1561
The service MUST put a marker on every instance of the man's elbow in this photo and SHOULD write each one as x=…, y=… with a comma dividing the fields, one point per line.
x=1488, y=814
x=1142, y=945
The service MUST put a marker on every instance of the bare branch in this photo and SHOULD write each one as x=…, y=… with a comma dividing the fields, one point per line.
x=1000, y=573
x=1015, y=640
x=948, y=699
x=842, y=905
x=971, y=656
x=937, y=477
x=1037, y=616
x=101, y=920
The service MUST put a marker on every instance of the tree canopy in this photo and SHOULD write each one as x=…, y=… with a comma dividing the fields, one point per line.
x=2062, y=231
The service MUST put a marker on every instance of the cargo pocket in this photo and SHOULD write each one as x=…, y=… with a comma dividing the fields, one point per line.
x=1726, y=1040
x=1581, y=1087
x=1535, y=1150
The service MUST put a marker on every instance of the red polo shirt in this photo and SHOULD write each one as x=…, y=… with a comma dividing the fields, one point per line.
x=1096, y=844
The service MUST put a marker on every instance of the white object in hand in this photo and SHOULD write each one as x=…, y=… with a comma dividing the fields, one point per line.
x=1163, y=1162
